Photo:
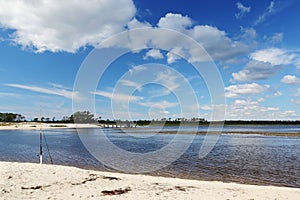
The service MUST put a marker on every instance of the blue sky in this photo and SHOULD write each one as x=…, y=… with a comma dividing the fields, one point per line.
x=254, y=45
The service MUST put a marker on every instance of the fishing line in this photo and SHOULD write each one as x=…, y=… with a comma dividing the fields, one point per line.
x=48, y=148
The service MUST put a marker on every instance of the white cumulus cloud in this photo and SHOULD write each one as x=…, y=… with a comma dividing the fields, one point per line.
x=154, y=53
x=234, y=91
x=251, y=109
x=175, y=22
x=67, y=25
x=274, y=56
x=214, y=41
x=265, y=63
x=291, y=80
x=70, y=25
x=256, y=70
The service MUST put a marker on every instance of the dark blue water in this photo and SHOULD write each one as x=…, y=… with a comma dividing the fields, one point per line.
x=251, y=158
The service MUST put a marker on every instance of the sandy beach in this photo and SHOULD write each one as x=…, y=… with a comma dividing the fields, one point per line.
x=38, y=126
x=35, y=181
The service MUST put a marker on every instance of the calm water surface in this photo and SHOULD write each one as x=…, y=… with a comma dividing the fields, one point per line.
x=251, y=158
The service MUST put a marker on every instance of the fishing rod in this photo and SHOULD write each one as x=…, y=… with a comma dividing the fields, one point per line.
x=41, y=140
x=41, y=143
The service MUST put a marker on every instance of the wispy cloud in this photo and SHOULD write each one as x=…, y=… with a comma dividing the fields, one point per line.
x=269, y=11
x=296, y=101
x=274, y=7
x=138, y=100
x=57, y=85
x=159, y=104
x=276, y=37
x=296, y=98
x=169, y=80
x=52, y=91
x=118, y=96
x=136, y=69
x=7, y=94
x=242, y=10
x=130, y=83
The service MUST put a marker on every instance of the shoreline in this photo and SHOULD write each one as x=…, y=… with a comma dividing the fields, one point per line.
x=28, y=180
x=47, y=126
x=297, y=134
x=138, y=130
x=44, y=126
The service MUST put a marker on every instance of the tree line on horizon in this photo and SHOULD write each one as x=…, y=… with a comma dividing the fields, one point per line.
x=88, y=117
x=11, y=117
x=77, y=117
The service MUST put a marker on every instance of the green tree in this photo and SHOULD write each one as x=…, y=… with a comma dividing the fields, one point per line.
x=36, y=119
x=82, y=117
x=11, y=117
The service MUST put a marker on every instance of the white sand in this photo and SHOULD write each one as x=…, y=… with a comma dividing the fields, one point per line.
x=37, y=126
x=35, y=181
